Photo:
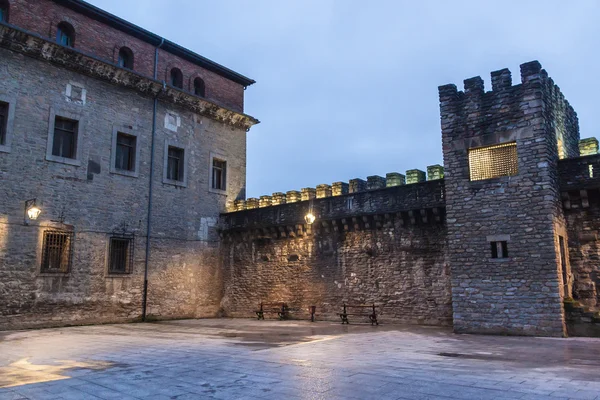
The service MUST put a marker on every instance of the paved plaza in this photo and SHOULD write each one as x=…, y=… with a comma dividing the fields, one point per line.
x=248, y=359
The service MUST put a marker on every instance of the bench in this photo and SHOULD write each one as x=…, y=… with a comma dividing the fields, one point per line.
x=282, y=310
x=360, y=310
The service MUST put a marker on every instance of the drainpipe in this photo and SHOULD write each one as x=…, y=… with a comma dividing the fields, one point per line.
x=151, y=186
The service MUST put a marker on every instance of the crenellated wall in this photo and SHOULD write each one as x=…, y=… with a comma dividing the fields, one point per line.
x=383, y=245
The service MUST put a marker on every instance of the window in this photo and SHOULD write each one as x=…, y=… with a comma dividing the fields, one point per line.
x=65, y=138
x=65, y=34
x=175, y=164
x=499, y=249
x=219, y=174
x=4, y=6
x=199, y=87
x=176, y=78
x=125, y=58
x=349, y=203
x=3, y=122
x=56, y=252
x=493, y=161
x=120, y=255
x=125, y=152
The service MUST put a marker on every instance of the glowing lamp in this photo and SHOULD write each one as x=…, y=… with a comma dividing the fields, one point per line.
x=309, y=218
x=32, y=211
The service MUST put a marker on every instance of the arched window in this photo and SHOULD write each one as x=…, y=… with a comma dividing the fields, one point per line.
x=65, y=34
x=199, y=88
x=176, y=78
x=125, y=58
x=4, y=6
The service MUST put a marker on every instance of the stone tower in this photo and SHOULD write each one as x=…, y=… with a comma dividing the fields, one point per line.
x=507, y=235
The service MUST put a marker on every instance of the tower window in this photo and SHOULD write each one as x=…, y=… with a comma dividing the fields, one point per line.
x=199, y=87
x=493, y=161
x=499, y=249
x=176, y=78
x=65, y=34
x=4, y=6
x=125, y=58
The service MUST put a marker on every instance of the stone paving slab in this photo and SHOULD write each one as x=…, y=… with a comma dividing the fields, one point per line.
x=248, y=359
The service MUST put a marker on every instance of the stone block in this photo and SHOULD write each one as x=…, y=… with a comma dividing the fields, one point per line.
x=308, y=194
x=323, y=190
x=435, y=172
x=339, y=188
x=375, y=182
x=357, y=185
x=415, y=176
x=395, y=179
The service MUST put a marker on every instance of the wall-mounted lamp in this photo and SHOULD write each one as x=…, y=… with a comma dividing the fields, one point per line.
x=310, y=218
x=32, y=211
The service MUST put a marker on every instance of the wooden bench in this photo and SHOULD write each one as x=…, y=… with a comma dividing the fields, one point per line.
x=361, y=310
x=282, y=310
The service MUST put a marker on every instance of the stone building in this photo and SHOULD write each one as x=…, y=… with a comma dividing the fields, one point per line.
x=133, y=150
x=115, y=133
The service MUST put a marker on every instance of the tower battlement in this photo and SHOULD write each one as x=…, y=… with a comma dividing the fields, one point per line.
x=475, y=112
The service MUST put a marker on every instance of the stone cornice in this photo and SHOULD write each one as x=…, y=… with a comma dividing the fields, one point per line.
x=32, y=45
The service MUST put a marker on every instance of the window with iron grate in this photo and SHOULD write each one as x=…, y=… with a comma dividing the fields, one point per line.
x=57, y=252
x=120, y=255
x=493, y=161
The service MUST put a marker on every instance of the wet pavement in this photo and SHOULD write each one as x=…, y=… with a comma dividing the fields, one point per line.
x=249, y=359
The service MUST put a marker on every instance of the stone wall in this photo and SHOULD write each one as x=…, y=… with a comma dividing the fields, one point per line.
x=91, y=200
x=385, y=246
x=580, y=184
x=520, y=294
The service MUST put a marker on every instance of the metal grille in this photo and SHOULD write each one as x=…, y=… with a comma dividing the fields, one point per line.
x=57, y=251
x=120, y=255
x=493, y=161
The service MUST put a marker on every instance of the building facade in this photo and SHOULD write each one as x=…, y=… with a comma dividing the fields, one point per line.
x=130, y=146
x=132, y=150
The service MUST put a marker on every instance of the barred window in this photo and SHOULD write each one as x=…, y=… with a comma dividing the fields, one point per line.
x=57, y=252
x=493, y=161
x=120, y=255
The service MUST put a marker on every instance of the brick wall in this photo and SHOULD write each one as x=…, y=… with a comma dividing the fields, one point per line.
x=103, y=41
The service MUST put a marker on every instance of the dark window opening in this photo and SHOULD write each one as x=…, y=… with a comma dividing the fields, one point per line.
x=563, y=262
x=65, y=138
x=175, y=164
x=4, y=7
x=125, y=58
x=219, y=174
x=199, y=87
x=499, y=249
x=125, y=157
x=56, y=252
x=293, y=257
x=120, y=255
x=3, y=122
x=65, y=34
x=176, y=78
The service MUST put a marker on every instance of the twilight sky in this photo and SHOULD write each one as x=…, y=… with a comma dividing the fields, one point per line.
x=347, y=89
